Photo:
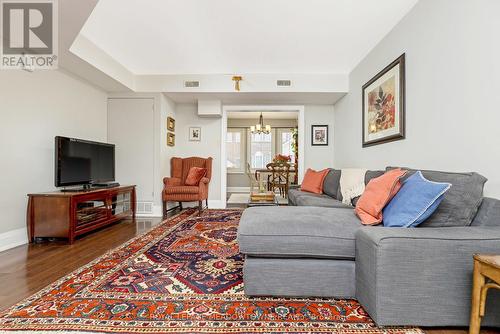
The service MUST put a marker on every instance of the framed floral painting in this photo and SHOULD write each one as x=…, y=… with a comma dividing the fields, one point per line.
x=384, y=105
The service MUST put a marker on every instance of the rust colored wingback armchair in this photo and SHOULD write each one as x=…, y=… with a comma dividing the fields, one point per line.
x=175, y=189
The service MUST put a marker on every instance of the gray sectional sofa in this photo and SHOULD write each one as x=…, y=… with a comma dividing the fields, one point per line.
x=417, y=276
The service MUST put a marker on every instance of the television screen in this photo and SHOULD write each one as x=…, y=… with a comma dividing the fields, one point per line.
x=83, y=162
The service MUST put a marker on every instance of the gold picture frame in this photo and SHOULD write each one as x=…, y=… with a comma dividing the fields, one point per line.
x=170, y=139
x=170, y=124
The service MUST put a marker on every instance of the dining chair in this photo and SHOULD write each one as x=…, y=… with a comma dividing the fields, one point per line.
x=279, y=177
x=254, y=182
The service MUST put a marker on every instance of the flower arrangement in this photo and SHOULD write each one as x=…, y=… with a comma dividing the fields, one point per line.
x=382, y=111
x=282, y=158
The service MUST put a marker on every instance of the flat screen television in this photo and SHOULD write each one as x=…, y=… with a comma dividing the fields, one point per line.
x=83, y=162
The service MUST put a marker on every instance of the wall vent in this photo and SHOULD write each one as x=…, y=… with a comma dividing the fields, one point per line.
x=284, y=83
x=191, y=84
x=144, y=207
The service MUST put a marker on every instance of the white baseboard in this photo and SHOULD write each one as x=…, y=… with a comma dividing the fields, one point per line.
x=238, y=189
x=13, y=238
x=216, y=204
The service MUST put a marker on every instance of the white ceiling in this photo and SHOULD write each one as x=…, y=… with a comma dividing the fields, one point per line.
x=266, y=114
x=72, y=16
x=230, y=36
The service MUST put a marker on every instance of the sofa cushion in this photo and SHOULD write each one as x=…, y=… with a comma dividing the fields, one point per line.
x=298, y=232
x=460, y=203
x=313, y=181
x=298, y=197
x=182, y=190
x=370, y=174
x=321, y=201
x=194, y=176
x=488, y=213
x=332, y=183
x=415, y=202
x=379, y=191
x=293, y=194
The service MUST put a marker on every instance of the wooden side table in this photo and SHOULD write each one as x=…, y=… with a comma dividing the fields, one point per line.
x=486, y=276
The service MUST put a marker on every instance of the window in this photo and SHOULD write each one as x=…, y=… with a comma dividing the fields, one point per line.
x=258, y=150
x=285, y=141
x=235, y=150
x=261, y=150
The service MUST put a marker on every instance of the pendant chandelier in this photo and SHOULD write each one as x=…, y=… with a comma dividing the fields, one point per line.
x=260, y=127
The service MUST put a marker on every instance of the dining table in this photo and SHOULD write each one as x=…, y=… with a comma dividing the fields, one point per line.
x=259, y=171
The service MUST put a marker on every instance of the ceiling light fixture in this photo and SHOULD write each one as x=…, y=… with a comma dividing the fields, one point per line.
x=237, y=80
x=260, y=128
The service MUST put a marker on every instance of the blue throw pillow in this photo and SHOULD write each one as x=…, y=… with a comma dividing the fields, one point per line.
x=417, y=199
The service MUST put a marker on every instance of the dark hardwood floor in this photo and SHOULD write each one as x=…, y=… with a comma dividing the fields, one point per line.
x=26, y=269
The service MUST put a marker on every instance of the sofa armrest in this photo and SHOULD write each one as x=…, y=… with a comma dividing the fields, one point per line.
x=379, y=235
x=171, y=181
x=408, y=276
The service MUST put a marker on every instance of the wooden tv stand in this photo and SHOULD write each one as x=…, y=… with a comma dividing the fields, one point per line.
x=70, y=214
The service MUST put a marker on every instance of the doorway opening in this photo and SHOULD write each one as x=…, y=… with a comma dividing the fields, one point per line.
x=262, y=151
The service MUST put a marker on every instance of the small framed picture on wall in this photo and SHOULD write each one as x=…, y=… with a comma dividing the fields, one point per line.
x=170, y=139
x=170, y=124
x=194, y=134
x=319, y=135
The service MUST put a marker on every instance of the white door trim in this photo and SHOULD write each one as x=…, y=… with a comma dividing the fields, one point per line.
x=301, y=128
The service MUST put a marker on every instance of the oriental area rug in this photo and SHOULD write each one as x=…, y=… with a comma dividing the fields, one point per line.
x=183, y=276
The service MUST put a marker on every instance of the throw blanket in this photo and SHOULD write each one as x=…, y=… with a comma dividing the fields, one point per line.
x=352, y=183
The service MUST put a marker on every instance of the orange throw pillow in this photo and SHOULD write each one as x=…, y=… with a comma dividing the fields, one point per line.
x=378, y=192
x=313, y=181
x=194, y=176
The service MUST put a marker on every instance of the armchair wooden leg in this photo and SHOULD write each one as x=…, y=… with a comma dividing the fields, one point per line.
x=164, y=209
x=206, y=202
x=180, y=205
x=200, y=206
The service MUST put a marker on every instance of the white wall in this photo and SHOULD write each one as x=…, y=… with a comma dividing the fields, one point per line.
x=131, y=127
x=34, y=108
x=186, y=115
x=163, y=107
x=319, y=157
x=167, y=109
x=209, y=146
x=452, y=99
